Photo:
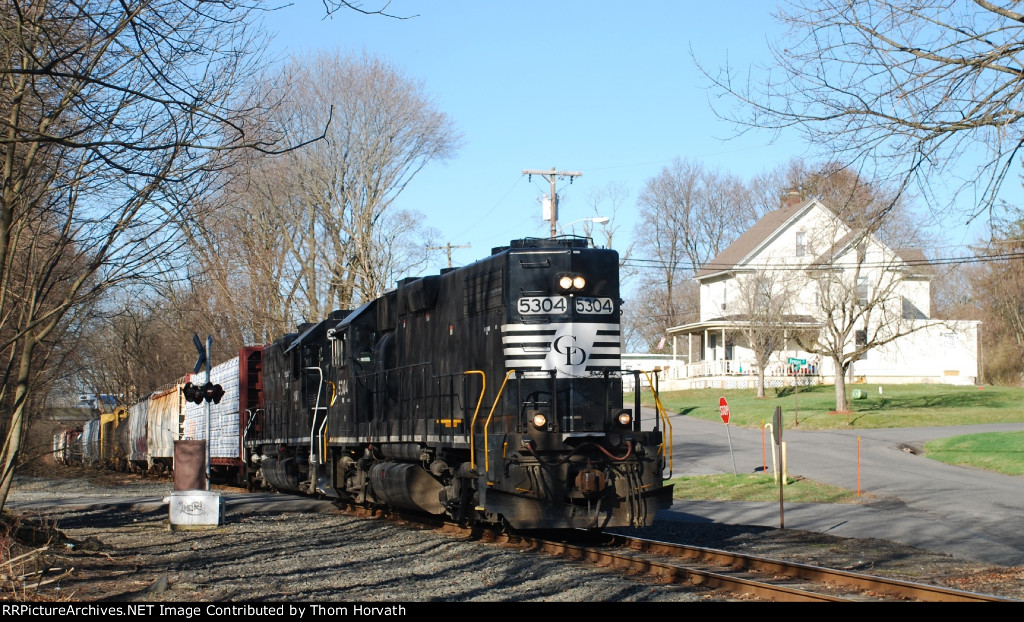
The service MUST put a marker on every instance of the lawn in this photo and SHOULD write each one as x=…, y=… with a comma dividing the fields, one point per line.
x=757, y=487
x=995, y=451
x=885, y=406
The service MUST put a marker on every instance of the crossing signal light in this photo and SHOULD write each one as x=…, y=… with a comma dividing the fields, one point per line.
x=208, y=392
x=193, y=393
x=213, y=392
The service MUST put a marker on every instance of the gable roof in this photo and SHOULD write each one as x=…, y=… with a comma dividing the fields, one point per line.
x=916, y=261
x=752, y=239
x=774, y=221
x=838, y=247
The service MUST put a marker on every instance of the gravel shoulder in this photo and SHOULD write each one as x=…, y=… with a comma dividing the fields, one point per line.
x=122, y=553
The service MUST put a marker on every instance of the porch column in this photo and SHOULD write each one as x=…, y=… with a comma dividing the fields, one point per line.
x=689, y=354
x=725, y=366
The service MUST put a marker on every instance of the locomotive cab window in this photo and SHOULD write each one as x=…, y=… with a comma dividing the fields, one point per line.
x=362, y=344
x=312, y=356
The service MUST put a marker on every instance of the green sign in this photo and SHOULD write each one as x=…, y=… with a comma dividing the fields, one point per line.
x=793, y=361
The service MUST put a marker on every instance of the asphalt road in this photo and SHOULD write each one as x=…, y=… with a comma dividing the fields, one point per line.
x=966, y=512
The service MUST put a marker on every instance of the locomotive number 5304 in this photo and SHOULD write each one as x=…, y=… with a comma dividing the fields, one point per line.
x=535, y=305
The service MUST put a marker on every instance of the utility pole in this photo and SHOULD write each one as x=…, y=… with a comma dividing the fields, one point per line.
x=448, y=248
x=551, y=176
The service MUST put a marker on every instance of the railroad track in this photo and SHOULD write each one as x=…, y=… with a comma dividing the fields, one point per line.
x=747, y=575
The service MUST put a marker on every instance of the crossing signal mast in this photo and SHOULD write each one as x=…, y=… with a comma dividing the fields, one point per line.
x=209, y=392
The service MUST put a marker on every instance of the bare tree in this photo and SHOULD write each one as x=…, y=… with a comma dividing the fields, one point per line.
x=109, y=112
x=651, y=310
x=764, y=306
x=296, y=236
x=859, y=287
x=911, y=90
x=997, y=295
x=860, y=202
x=688, y=214
x=133, y=341
x=607, y=202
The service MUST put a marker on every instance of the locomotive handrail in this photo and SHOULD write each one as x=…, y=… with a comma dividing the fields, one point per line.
x=472, y=425
x=660, y=408
x=334, y=392
x=487, y=423
x=313, y=432
x=252, y=412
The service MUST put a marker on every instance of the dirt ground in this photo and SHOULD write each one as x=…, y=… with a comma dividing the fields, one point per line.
x=120, y=555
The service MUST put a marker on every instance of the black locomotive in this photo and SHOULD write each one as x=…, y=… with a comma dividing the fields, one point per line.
x=490, y=393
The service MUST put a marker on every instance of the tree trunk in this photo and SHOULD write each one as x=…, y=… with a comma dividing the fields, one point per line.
x=12, y=444
x=840, y=371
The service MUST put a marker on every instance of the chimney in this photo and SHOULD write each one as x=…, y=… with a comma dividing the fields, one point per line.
x=791, y=198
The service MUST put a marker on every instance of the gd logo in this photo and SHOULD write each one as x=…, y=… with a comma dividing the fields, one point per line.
x=566, y=344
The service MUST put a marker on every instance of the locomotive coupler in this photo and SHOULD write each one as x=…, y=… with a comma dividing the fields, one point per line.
x=590, y=481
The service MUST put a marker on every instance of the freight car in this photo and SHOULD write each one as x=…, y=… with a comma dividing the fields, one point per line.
x=240, y=381
x=132, y=452
x=67, y=446
x=490, y=393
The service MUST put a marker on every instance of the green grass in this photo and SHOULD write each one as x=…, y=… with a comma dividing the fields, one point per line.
x=996, y=451
x=812, y=408
x=895, y=406
x=758, y=487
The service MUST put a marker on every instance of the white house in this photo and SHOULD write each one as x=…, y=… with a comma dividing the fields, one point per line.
x=801, y=270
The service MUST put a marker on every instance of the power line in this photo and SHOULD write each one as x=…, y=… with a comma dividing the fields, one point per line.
x=448, y=249
x=551, y=176
x=640, y=262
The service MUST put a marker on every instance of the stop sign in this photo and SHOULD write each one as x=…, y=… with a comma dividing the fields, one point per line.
x=723, y=408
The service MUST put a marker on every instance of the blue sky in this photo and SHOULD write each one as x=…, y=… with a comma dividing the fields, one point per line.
x=606, y=88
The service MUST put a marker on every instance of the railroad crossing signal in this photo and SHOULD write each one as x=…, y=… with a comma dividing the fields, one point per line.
x=202, y=354
x=209, y=392
x=213, y=392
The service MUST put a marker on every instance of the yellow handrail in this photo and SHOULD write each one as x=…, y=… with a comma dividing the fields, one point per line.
x=664, y=417
x=472, y=427
x=491, y=414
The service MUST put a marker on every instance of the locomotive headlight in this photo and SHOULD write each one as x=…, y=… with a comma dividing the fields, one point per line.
x=624, y=418
x=539, y=420
x=571, y=282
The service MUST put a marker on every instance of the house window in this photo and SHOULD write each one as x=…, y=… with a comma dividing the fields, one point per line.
x=763, y=293
x=861, y=339
x=801, y=245
x=862, y=291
